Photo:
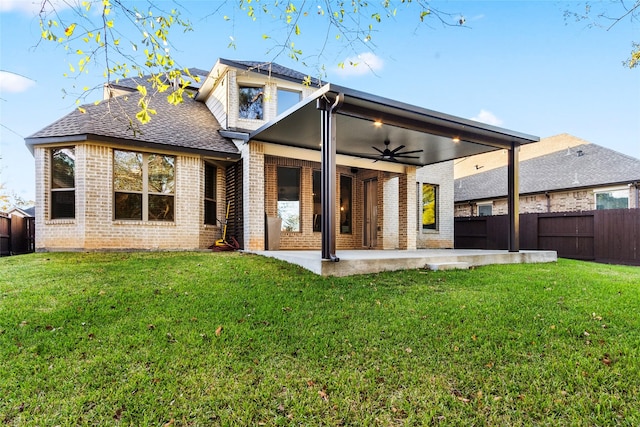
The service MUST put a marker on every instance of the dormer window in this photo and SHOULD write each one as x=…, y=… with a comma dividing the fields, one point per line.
x=251, y=101
x=287, y=99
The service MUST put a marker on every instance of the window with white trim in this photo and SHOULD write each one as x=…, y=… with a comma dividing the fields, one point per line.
x=287, y=99
x=485, y=209
x=144, y=186
x=63, y=183
x=250, y=102
x=612, y=199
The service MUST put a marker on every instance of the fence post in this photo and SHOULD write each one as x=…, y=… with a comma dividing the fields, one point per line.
x=513, y=197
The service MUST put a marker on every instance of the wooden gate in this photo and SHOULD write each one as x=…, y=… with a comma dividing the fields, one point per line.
x=17, y=235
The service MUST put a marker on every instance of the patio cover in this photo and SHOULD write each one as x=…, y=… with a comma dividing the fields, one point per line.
x=340, y=120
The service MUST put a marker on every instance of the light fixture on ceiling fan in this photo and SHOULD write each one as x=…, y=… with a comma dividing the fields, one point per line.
x=392, y=155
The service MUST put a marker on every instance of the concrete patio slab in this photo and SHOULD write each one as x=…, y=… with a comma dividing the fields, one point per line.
x=374, y=261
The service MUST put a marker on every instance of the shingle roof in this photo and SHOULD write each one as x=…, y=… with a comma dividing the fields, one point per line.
x=133, y=82
x=189, y=125
x=271, y=68
x=588, y=165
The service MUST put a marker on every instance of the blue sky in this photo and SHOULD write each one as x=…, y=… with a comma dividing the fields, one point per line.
x=515, y=64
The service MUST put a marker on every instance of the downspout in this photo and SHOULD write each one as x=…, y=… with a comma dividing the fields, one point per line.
x=328, y=174
x=548, y=196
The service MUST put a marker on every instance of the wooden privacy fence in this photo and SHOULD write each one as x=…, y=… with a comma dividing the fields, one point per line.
x=611, y=236
x=17, y=235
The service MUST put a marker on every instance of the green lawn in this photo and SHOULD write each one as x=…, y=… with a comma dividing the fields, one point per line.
x=229, y=339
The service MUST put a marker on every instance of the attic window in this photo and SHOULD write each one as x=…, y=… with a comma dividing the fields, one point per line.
x=287, y=99
x=251, y=102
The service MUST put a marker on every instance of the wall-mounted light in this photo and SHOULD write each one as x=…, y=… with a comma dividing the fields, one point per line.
x=377, y=123
x=455, y=139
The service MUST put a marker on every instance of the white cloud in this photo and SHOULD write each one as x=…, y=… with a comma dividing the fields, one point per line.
x=31, y=7
x=14, y=83
x=362, y=64
x=487, y=117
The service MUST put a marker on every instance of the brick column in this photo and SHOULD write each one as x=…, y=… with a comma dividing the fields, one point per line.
x=407, y=209
x=43, y=170
x=253, y=196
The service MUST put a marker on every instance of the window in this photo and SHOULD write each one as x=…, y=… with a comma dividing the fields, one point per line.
x=144, y=186
x=614, y=199
x=210, y=173
x=429, y=207
x=250, y=102
x=287, y=99
x=63, y=172
x=485, y=209
x=317, y=202
x=289, y=198
x=345, y=204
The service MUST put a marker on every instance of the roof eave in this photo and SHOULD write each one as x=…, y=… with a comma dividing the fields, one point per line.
x=391, y=112
x=436, y=118
x=31, y=142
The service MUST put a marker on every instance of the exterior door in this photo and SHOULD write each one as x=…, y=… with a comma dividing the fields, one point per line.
x=370, y=231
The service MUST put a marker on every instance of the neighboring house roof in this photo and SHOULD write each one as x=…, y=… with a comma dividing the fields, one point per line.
x=26, y=212
x=494, y=159
x=272, y=69
x=584, y=166
x=189, y=126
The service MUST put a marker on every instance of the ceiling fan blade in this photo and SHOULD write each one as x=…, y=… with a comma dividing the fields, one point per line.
x=409, y=152
x=406, y=157
x=378, y=150
x=395, y=150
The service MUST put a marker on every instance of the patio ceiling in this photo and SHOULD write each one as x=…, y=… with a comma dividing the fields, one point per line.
x=364, y=121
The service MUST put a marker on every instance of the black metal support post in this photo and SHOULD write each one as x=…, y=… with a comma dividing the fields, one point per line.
x=513, y=198
x=328, y=175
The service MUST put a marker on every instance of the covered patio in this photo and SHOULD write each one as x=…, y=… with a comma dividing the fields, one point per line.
x=338, y=121
x=375, y=261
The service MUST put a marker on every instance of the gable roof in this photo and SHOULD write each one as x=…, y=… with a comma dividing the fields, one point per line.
x=23, y=212
x=584, y=166
x=188, y=126
x=271, y=69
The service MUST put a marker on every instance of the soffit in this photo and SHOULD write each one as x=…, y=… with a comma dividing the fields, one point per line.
x=436, y=134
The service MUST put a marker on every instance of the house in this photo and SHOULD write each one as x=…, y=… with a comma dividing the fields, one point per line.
x=561, y=173
x=340, y=168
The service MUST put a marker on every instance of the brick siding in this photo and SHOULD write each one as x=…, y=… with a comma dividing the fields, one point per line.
x=94, y=227
x=440, y=174
x=559, y=201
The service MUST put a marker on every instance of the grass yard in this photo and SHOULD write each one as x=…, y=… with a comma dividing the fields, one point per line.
x=199, y=339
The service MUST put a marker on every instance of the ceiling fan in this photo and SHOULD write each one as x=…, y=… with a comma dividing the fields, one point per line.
x=392, y=155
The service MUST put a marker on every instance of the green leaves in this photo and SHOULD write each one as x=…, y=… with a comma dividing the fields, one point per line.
x=96, y=32
x=69, y=30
